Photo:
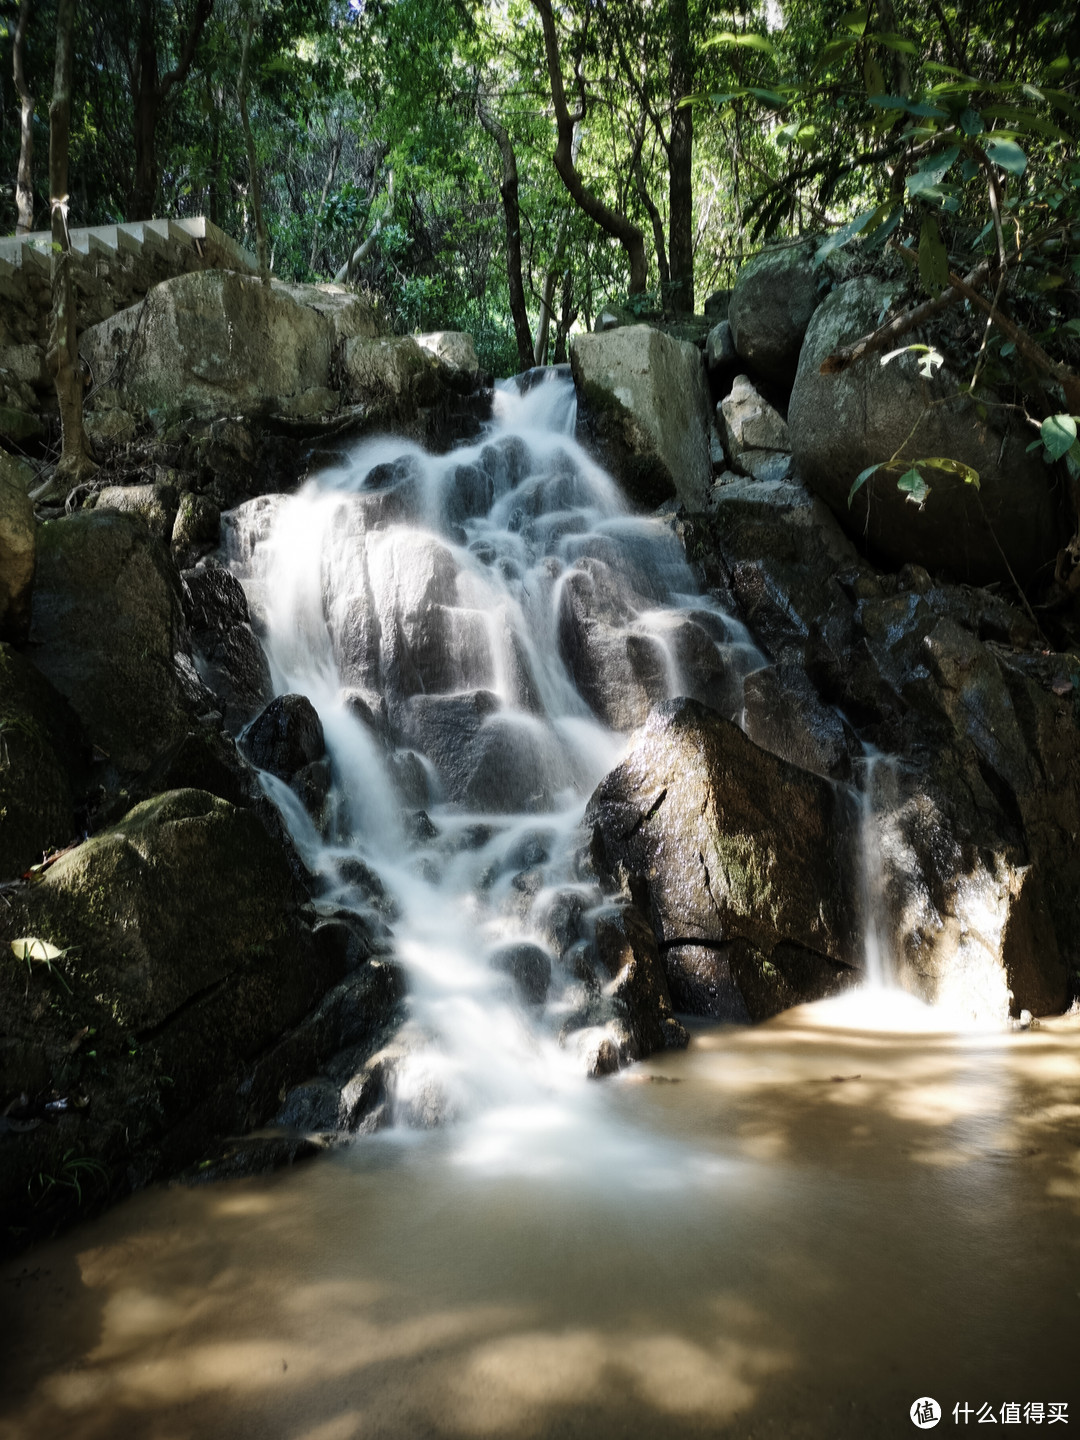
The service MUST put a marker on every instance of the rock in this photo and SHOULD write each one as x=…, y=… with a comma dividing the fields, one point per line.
x=718, y=841
x=227, y=653
x=18, y=550
x=109, y=633
x=766, y=465
x=701, y=982
x=645, y=411
x=348, y=313
x=750, y=422
x=456, y=352
x=19, y=472
x=392, y=374
x=717, y=305
x=625, y=949
x=286, y=737
x=784, y=715
x=42, y=763
x=720, y=352
x=197, y=527
x=841, y=424
x=157, y=504
x=192, y=1006
x=774, y=297
x=18, y=426
x=106, y=428
x=528, y=966
x=211, y=343
x=24, y=363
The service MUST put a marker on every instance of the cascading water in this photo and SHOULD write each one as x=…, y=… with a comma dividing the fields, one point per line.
x=477, y=631
x=877, y=947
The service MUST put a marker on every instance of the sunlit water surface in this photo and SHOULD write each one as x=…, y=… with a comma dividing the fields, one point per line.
x=795, y=1230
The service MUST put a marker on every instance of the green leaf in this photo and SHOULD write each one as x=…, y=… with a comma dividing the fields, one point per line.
x=848, y=232
x=936, y=68
x=1008, y=155
x=932, y=170
x=911, y=107
x=971, y=122
x=749, y=41
x=895, y=42
x=1059, y=67
x=834, y=50
x=1058, y=435
x=913, y=486
x=933, y=258
x=874, y=76
x=1026, y=121
x=861, y=480
x=967, y=473
x=855, y=20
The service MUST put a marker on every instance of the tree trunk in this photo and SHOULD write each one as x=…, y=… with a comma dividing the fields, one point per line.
x=75, y=463
x=618, y=226
x=150, y=95
x=24, y=182
x=680, y=158
x=360, y=254
x=657, y=228
x=145, y=99
x=262, y=245
x=335, y=156
x=508, y=189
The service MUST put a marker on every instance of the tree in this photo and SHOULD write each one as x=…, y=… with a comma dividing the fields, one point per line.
x=75, y=462
x=24, y=185
x=613, y=222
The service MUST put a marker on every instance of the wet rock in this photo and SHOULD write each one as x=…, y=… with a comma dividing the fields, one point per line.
x=109, y=634
x=528, y=966
x=196, y=529
x=843, y=423
x=637, y=989
x=227, y=653
x=645, y=410
x=43, y=756
x=775, y=296
x=717, y=840
x=784, y=714
x=391, y=374
x=701, y=982
x=285, y=737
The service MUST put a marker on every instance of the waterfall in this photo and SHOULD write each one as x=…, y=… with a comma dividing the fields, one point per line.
x=878, y=771
x=478, y=632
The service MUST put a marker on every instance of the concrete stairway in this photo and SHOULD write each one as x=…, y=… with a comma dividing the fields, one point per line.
x=115, y=266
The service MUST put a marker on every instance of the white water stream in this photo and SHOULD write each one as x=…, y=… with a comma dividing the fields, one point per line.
x=444, y=615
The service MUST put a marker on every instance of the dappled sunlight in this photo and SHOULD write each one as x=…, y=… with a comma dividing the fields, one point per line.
x=845, y=1213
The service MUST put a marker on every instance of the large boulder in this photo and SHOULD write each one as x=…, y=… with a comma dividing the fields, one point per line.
x=109, y=634
x=391, y=374
x=645, y=410
x=42, y=760
x=775, y=295
x=227, y=652
x=869, y=413
x=164, y=978
x=212, y=343
x=17, y=554
x=726, y=847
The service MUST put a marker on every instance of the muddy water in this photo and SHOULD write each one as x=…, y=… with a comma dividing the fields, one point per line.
x=795, y=1230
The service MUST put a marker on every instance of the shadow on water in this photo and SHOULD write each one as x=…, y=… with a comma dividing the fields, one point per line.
x=808, y=1227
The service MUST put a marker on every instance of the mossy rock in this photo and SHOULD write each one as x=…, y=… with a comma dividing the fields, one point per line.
x=108, y=626
x=42, y=755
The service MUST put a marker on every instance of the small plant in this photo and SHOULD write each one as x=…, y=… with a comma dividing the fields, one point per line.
x=75, y=1172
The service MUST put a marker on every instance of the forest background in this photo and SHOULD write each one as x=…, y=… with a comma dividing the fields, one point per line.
x=508, y=167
